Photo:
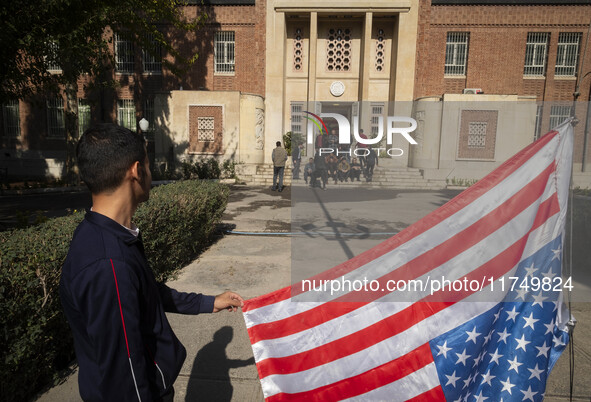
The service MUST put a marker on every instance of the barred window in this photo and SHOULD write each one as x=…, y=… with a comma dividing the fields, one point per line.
x=377, y=110
x=124, y=55
x=567, y=53
x=224, y=52
x=11, y=119
x=83, y=115
x=456, y=53
x=152, y=58
x=149, y=115
x=558, y=114
x=126, y=114
x=296, y=118
x=56, y=125
x=536, y=50
x=51, y=58
x=538, y=125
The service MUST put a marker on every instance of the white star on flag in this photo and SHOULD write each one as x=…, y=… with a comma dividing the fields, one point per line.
x=443, y=349
x=472, y=335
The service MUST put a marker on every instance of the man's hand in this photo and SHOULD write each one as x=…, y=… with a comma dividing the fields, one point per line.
x=227, y=301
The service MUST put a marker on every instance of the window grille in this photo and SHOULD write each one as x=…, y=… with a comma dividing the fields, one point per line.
x=298, y=46
x=535, y=53
x=152, y=58
x=11, y=118
x=538, y=126
x=567, y=53
x=51, y=58
x=456, y=53
x=338, y=49
x=377, y=110
x=380, y=50
x=477, y=134
x=124, y=55
x=205, y=129
x=149, y=115
x=126, y=114
x=296, y=118
x=558, y=114
x=224, y=52
x=56, y=125
x=83, y=115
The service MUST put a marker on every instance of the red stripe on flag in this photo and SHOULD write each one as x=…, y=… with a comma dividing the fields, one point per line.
x=435, y=394
x=447, y=210
x=360, y=384
x=412, y=269
x=405, y=319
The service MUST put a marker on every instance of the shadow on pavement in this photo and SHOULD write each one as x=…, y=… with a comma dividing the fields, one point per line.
x=210, y=377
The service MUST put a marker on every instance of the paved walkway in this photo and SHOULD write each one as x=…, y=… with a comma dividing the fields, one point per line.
x=219, y=364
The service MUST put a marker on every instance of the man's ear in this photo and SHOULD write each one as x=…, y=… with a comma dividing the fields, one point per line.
x=134, y=171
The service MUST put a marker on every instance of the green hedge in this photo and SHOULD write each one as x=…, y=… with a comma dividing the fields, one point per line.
x=176, y=223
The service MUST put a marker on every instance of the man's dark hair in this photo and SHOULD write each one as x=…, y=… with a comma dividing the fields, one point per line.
x=278, y=143
x=104, y=154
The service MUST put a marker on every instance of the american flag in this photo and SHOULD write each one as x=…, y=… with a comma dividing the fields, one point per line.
x=498, y=341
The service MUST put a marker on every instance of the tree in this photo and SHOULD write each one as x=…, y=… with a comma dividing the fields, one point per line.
x=74, y=35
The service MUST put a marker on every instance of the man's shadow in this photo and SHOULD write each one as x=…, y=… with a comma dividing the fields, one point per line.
x=210, y=376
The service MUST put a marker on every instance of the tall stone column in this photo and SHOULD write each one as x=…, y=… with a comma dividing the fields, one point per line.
x=312, y=52
x=275, y=80
x=366, y=58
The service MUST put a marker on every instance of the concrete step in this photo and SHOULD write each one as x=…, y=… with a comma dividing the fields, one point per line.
x=383, y=177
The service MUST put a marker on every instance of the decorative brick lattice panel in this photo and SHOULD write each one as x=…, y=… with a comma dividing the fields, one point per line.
x=380, y=50
x=338, y=49
x=478, y=132
x=206, y=130
x=298, y=49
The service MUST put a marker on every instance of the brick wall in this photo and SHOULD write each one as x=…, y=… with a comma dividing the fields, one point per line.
x=204, y=141
x=497, y=45
x=496, y=53
x=248, y=23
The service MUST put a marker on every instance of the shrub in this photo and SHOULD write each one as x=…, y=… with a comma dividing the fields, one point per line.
x=206, y=169
x=176, y=223
x=229, y=169
x=291, y=140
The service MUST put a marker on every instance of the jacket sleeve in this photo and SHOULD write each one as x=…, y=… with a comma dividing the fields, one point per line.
x=109, y=300
x=184, y=303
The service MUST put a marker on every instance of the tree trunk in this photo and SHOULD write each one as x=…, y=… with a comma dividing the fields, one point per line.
x=71, y=121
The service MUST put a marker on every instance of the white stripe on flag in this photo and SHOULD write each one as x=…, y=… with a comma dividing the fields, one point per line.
x=407, y=387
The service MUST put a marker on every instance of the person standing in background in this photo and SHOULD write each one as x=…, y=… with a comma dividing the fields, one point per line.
x=279, y=157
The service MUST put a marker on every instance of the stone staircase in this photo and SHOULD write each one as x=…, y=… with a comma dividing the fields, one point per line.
x=383, y=177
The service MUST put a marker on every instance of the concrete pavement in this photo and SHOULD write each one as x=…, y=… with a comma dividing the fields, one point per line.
x=219, y=364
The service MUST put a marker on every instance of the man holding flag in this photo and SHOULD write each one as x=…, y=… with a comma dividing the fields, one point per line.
x=496, y=340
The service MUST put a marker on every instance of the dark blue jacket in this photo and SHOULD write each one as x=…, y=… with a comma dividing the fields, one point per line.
x=125, y=346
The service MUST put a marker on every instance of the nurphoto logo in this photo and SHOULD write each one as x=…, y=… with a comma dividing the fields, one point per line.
x=344, y=129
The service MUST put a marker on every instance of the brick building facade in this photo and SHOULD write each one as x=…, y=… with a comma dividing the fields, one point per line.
x=34, y=143
x=528, y=48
